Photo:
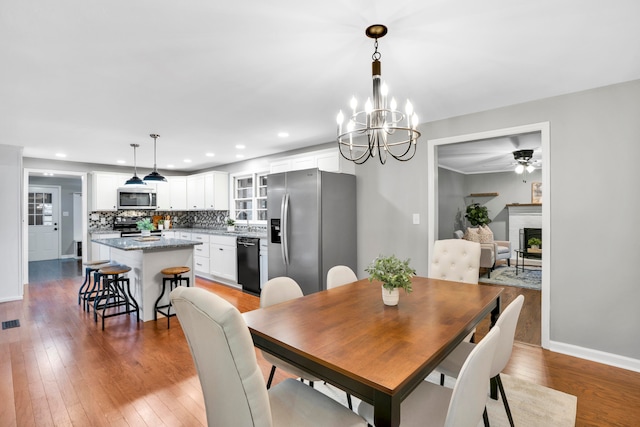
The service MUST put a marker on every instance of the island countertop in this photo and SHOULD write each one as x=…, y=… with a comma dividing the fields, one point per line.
x=146, y=244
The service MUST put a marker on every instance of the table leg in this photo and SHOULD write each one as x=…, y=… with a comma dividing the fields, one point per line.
x=386, y=410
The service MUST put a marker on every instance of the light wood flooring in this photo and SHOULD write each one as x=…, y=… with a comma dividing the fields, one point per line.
x=59, y=368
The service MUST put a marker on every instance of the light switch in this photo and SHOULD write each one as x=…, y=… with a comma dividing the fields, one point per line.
x=416, y=219
x=65, y=213
x=95, y=217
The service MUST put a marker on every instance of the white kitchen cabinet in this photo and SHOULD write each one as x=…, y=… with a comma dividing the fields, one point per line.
x=195, y=192
x=208, y=191
x=216, y=191
x=327, y=160
x=222, y=258
x=101, y=252
x=177, y=189
x=183, y=235
x=169, y=234
x=201, y=253
x=104, y=190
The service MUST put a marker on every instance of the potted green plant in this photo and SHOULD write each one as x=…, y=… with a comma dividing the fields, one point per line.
x=231, y=224
x=145, y=225
x=394, y=274
x=534, y=243
x=477, y=214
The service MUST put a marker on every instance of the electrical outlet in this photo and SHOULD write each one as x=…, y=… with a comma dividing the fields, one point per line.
x=103, y=221
x=195, y=217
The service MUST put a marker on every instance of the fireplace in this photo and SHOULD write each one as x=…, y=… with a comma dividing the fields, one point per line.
x=526, y=234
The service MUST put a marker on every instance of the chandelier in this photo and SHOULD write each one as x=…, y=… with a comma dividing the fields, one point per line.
x=380, y=129
x=524, y=162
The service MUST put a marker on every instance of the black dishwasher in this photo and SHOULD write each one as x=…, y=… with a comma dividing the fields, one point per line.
x=248, y=250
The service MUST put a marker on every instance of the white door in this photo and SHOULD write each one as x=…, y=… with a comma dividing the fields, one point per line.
x=43, y=208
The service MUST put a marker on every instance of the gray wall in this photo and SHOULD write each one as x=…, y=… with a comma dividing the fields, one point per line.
x=453, y=197
x=11, y=224
x=68, y=186
x=595, y=144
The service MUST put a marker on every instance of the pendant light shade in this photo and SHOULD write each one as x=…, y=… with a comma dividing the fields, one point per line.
x=134, y=180
x=154, y=176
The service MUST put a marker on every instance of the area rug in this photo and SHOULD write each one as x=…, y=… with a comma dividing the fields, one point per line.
x=531, y=404
x=530, y=278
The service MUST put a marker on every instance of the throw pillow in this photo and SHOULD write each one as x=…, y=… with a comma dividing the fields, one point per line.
x=485, y=234
x=472, y=235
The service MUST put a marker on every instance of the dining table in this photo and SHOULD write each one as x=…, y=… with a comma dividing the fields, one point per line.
x=378, y=353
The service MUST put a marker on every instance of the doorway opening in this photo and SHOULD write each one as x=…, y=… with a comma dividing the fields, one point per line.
x=433, y=200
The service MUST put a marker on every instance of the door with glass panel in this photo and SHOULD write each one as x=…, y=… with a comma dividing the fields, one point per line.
x=42, y=215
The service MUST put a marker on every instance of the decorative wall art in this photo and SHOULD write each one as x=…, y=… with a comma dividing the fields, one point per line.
x=536, y=192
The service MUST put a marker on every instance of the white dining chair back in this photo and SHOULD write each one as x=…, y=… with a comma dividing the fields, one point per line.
x=456, y=260
x=232, y=382
x=507, y=323
x=340, y=275
x=469, y=397
x=279, y=289
x=463, y=406
x=276, y=291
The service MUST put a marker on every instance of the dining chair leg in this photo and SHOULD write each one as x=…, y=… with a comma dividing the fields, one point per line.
x=273, y=371
x=441, y=379
x=493, y=388
x=349, y=401
x=485, y=417
x=504, y=399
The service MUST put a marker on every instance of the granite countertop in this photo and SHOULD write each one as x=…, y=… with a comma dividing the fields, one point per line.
x=211, y=231
x=135, y=244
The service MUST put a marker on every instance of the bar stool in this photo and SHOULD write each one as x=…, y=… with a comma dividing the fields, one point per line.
x=85, y=294
x=114, y=295
x=176, y=279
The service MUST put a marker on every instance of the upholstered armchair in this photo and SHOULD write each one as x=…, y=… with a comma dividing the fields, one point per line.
x=491, y=252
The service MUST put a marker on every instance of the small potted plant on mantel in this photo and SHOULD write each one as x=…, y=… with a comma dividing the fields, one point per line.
x=231, y=224
x=145, y=226
x=394, y=274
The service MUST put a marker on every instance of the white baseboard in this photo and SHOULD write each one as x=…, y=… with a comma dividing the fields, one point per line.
x=68, y=256
x=596, y=356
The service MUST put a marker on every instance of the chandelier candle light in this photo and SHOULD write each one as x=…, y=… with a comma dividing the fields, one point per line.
x=380, y=129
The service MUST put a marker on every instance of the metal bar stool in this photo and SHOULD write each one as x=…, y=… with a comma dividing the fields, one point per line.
x=114, y=295
x=87, y=292
x=176, y=279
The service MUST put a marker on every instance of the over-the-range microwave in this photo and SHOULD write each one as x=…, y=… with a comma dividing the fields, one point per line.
x=137, y=198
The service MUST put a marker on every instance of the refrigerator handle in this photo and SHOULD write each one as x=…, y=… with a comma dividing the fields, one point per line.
x=284, y=214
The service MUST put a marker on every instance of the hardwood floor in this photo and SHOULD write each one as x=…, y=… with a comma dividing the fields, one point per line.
x=59, y=368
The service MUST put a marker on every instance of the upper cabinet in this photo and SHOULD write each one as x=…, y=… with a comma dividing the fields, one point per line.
x=172, y=195
x=328, y=160
x=104, y=194
x=208, y=191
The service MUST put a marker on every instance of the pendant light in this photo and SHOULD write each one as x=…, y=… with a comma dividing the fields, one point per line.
x=154, y=176
x=134, y=180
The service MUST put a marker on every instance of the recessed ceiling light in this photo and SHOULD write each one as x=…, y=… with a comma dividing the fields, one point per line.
x=283, y=134
x=170, y=166
x=239, y=156
x=240, y=147
x=122, y=162
x=187, y=160
x=210, y=154
x=61, y=155
x=47, y=174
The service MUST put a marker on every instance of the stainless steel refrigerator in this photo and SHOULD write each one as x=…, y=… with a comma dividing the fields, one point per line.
x=312, y=225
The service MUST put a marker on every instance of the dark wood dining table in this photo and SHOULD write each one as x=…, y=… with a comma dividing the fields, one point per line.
x=378, y=353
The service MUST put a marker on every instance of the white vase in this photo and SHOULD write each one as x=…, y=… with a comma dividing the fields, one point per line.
x=145, y=233
x=390, y=297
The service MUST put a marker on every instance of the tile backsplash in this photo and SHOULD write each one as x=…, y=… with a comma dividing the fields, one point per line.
x=179, y=219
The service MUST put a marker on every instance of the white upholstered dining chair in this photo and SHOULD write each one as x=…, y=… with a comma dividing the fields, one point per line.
x=232, y=383
x=463, y=406
x=275, y=291
x=455, y=259
x=507, y=323
x=340, y=275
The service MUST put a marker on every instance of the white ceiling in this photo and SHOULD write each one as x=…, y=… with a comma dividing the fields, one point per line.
x=88, y=78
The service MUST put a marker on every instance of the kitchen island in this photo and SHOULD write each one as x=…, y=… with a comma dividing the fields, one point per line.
x=147, y=257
